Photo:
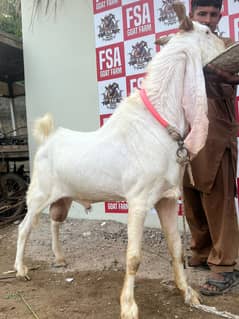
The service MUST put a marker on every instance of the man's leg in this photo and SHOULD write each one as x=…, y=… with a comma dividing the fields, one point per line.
x=201, y=241
x=219, y=207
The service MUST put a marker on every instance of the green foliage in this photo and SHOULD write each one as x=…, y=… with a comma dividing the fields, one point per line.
x=10, y=17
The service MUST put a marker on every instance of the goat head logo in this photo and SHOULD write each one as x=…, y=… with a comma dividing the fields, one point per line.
x=112, y=95
x=167, y=14
x=108, y=27
x=140, y=55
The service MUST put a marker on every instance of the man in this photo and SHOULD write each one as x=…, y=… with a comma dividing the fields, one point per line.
x=209, y=205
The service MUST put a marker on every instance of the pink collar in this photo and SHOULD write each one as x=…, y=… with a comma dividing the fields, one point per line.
x=151, y=109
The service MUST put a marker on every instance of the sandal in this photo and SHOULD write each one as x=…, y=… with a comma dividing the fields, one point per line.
x=218, y=287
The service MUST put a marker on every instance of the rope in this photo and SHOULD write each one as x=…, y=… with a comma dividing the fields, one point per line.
x=182, y=152
x=183, y=159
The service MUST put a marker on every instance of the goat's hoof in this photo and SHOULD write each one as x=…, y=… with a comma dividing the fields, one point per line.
x=192, y=298
x=129, y=311
x=22, y=272
x=60, y=263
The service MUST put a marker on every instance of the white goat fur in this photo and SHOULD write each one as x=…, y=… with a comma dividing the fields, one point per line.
x=132, y=157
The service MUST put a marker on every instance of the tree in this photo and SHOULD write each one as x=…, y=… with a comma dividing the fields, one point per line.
x=10, y=17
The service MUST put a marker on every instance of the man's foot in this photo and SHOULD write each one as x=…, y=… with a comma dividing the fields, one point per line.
x=193, y=262
x=219, y=283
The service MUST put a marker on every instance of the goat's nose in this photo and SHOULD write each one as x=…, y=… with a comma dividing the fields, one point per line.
x=205, y=23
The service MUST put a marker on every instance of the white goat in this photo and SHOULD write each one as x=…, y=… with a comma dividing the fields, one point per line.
x=132, y=157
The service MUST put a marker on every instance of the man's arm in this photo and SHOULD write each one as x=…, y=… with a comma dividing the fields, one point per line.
x=220, y=76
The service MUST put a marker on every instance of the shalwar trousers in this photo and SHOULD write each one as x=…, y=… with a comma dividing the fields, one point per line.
x=213, y=222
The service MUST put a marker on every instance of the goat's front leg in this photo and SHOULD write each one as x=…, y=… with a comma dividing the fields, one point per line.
x=136, y=218
x=58, y=213
x=167, y=212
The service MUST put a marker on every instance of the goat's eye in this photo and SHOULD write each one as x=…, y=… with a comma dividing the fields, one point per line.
x=207, y=32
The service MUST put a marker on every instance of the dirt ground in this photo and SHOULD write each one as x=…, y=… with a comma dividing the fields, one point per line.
x=90, y=286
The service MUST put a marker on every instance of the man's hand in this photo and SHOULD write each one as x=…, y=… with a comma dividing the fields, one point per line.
x=216, y=74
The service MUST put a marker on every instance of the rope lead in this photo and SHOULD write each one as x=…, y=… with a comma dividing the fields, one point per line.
x=182, y=152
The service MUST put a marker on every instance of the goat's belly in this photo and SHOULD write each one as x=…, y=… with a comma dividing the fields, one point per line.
x=97, y=197
x=92, y=185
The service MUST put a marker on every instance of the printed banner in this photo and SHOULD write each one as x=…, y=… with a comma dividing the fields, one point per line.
x=125, y=34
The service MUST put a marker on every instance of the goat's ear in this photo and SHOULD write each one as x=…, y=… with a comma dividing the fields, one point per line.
x=162, y=40
x=186, y=23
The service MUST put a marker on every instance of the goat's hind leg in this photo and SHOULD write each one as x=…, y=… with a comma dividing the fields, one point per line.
x=58, y=213
x=136, y=218
x=36, y=201
x=167, y=212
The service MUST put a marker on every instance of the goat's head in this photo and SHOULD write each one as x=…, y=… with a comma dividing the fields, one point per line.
x=207, y=42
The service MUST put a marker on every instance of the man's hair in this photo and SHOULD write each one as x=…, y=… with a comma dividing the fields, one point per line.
x=206, y=3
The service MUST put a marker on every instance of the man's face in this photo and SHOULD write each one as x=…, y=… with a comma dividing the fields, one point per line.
x=209, y=16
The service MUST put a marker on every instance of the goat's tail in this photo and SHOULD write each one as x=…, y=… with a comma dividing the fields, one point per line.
x=43, y=127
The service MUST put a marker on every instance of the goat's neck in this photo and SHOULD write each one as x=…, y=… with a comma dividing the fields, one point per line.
x=165, y=92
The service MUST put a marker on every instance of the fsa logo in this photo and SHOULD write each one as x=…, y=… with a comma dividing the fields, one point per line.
x=103, y=5
x=110, y=62
x=138, y=19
